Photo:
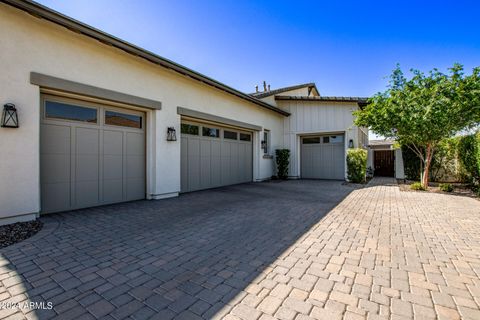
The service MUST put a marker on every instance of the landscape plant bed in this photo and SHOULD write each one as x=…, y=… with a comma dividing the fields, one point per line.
x=16, y=232
x=459, y=189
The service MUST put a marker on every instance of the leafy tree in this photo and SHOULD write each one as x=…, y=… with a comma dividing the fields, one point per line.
x=422, y=111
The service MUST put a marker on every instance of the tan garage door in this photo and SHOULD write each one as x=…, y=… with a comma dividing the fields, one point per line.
x=214, y=156
x=90, y=154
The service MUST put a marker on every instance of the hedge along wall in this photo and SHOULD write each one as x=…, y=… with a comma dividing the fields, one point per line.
x=445, y=163
x=469, y=156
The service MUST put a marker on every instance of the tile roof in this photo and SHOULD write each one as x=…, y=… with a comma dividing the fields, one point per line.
x=360, y=100
x=386, y=142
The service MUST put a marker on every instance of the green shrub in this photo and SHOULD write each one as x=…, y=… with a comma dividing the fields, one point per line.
x=469, y=156
x=444, y=162
x=417, y=186
x=282, y=160
x=444, y=165
x=446, y=187
x=356, y=165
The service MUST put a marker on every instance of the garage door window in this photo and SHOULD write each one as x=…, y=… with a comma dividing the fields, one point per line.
x=123, y=119
x=245, y=137
x=336, y=139
x=63, y=111
x=311, y=140
x=229, y=135
x=189, y=129
x=210, y=132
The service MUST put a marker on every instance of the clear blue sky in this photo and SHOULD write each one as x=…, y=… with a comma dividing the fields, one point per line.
x=345, y=47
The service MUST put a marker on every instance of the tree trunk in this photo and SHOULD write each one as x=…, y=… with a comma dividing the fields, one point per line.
x=426, y=171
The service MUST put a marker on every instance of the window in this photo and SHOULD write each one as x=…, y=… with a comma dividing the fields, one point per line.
x=229, y=135
x=336, y=139
x=59, y=110
x=123, y=119
x=326, y=140
x=266, y=141
x=311, y=140
x=189, y=129
x=210, y=132
x=245, y=137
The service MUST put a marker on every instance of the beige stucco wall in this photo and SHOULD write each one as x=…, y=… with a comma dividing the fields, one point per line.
x=311, y=117
x=30, y=44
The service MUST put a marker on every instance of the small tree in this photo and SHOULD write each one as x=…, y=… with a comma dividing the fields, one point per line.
x=283, y=160
x=422, y=111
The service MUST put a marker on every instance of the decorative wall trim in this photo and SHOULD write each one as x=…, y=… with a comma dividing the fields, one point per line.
x=46, y=81
x=210, y=117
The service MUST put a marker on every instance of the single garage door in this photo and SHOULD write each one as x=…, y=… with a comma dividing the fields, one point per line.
x=214, y=156
x=323, y=157
x=90, y=154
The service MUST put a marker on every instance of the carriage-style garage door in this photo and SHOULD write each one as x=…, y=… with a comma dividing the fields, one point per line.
x=323, y=157
x=214, y=156
x=90, y=154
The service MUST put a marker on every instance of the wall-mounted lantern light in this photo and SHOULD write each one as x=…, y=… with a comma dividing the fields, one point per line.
x=9, y=116
x=171, y=134
x=263, y=144
x=350, y=143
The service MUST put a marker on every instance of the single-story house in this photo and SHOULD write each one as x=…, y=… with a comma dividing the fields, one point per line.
x=385, y=159
x=103, y=121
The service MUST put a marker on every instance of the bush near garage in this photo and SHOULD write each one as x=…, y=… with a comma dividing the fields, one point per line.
x=282, y=158
x=357, y=165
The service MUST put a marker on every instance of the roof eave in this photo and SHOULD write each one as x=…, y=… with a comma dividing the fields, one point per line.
x=46, y=13
x=361, y=101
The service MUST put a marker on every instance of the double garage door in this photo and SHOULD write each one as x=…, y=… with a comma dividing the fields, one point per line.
x=214, y=156
x=323, y=157
x=90, y=155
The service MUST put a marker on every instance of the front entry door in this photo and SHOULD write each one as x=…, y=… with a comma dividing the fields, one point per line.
x=384, y=163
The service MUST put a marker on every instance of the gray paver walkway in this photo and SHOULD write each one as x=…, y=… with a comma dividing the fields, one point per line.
x=288, y=250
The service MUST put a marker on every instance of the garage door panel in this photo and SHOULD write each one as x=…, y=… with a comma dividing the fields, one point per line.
x=56, y=196
x=135, y=189
x=184, y=163
x=55, y=139
x=58, y=163
x=86, y=193
x=193, y=164
x=135, y=143
x=113, y=190
x=205, y=163
x=113, y=143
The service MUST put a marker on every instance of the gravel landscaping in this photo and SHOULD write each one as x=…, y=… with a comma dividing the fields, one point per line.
x=16, y=232
x=460, y=189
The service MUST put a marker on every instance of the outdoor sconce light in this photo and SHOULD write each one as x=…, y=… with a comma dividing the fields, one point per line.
x=263, y=144
x=9, y=116
x=350, y=143
x=171, y=134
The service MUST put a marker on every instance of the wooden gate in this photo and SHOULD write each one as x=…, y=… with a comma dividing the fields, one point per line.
x=384, y=161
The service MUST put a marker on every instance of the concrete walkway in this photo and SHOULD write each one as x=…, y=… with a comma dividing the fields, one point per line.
x=287, y=250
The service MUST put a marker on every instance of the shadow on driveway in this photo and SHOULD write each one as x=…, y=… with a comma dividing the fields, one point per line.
x=188, y=257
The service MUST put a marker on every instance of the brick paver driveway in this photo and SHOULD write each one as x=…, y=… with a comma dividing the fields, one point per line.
x=288, y=250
